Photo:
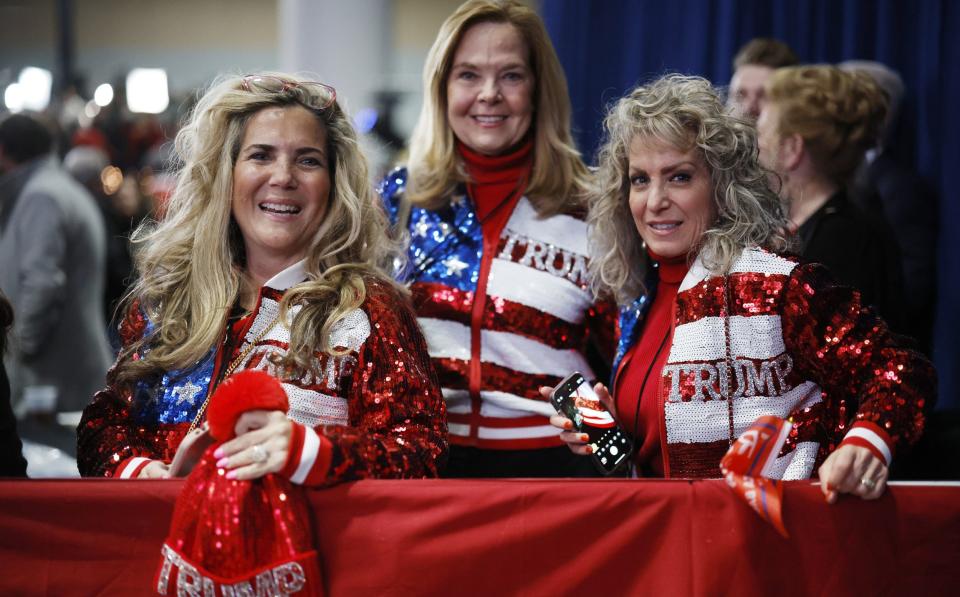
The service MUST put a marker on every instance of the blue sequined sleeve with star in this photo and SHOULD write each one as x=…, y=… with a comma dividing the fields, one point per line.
x=147, y=421
x=446, y=244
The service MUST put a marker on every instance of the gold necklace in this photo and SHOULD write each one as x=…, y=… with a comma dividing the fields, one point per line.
x=232, y=367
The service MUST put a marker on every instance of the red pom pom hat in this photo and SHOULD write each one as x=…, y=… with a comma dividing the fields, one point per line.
x=230, y=537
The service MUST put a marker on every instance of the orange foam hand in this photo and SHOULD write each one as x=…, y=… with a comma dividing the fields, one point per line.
x=748, y=462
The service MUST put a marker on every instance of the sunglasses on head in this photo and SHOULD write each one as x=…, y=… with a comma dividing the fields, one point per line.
x=322, y=99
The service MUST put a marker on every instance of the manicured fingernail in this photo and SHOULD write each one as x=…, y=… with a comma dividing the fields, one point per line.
x=568, y=425
x=589, y=450
x=232, y=475
x=222, y=463
x=218, y=453
x=584, y=437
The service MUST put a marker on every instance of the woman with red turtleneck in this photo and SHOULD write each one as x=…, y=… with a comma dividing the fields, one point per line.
x=494, y=204
x=718, y=324
x=637, y=384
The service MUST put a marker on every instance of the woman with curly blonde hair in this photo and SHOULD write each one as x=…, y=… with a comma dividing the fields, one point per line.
x=269, y=257
x=718, y=324
x=493, y=203
x=813, y=132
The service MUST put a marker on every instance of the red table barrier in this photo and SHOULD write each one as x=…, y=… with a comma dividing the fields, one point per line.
x=530, y=537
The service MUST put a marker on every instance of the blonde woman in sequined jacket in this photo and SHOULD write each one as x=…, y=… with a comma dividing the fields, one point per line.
x=494, y=197
x=719, y=324
x=269, y=257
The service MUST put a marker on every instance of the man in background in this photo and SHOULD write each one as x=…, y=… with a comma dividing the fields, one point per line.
x=87, y=164
x=752, y=67
x=52, y=256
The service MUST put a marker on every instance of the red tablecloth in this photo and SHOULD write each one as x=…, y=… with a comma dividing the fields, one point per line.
x=530, y=537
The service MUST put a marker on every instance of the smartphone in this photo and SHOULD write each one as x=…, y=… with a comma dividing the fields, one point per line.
x=575, y=399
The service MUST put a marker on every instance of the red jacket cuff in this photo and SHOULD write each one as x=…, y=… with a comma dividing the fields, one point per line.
x=872, y=437
x=308, y=460
x=131, y=467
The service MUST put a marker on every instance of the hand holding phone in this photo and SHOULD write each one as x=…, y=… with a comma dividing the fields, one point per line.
x=575, y=399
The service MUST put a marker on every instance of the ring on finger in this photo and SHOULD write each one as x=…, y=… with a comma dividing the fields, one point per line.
x=260, y=453
x=870, y=484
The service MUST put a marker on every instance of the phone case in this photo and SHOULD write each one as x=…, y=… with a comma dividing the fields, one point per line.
x=575, y=399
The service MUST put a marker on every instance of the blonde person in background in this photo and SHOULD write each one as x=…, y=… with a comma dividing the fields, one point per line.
x=493, y=203
x=814, y=129
x=268, y=257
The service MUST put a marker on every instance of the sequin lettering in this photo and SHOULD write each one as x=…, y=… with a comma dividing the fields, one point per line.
x=545, y=257
x=706, y=381
x=534, y=255
x=332, y=370
x=285, y=579
x=265, y=585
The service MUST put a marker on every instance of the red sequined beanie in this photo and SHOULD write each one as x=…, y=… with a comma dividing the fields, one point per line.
x=231, y=538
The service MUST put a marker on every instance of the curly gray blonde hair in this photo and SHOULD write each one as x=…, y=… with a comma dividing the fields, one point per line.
x=190, y=262
x=685, y=113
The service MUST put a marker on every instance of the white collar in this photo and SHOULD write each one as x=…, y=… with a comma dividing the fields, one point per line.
x=291, y=276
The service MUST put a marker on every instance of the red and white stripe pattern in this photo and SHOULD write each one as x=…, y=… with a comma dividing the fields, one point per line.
x=532, y=333
x=313, y=401
x=695, y=377
x=309, y=457
x=872, y=437
x=131, y=467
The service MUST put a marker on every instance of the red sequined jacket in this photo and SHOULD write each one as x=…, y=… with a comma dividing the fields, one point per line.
x=502, y=320
x=375, y=412
x=783, y=338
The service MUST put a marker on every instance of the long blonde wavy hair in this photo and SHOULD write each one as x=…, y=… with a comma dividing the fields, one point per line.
x=559, y=176
x=190, y=263
x=685, y=113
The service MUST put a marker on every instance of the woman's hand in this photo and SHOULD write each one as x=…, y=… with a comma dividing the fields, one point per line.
x=155, y=470
x=261, y=445
x=575, y=440
x=853, y=469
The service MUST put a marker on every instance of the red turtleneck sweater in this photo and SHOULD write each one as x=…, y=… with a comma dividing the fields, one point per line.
x=497, y=183
x=639, y=376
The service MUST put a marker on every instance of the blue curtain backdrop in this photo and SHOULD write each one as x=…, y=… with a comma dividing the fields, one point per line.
x=608, y=46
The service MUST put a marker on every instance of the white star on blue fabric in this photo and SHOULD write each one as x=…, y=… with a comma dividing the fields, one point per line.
x=421, y=227
x=454, y=266
x=187, y=392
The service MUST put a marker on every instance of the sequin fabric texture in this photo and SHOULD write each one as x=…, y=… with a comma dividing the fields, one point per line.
x=239, y=538
x=530, y=326
x=391, y=423
x=446, y=244
x=780, y=337
x=630, y=321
